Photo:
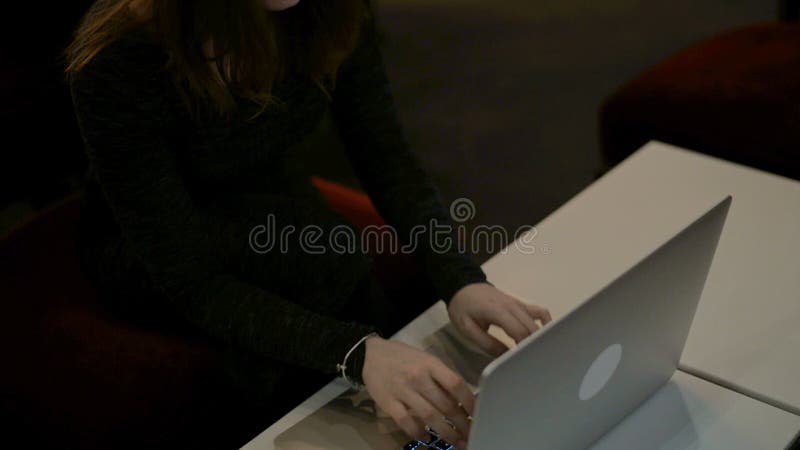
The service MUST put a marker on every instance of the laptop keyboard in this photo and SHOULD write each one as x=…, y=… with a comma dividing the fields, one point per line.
x=433, y=443
x=448, y=345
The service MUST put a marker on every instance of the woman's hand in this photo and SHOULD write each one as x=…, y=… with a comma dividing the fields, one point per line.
x=417, y=389
x=476, y=306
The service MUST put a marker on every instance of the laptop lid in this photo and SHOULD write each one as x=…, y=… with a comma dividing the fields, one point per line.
x=567, y=385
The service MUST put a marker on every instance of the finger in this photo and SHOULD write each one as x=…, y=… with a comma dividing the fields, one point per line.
x=484, y=340
x=521, y=313
x=454, y=385
x=510, y=324
x=540, y=313
x=429, y=415
x=452, y=432
x=403, y=418
x=447, y=404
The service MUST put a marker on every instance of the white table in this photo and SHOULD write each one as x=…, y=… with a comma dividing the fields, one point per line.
x=610, y=226
x=690, y=413
x=687, y=413
x=745, y=334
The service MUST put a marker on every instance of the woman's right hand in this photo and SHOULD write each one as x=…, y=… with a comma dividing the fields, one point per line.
x=417, y=389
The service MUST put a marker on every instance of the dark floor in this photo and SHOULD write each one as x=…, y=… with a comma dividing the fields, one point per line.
x=500, y=98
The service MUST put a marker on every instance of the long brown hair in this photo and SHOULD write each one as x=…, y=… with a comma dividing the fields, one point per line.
x=252, y=48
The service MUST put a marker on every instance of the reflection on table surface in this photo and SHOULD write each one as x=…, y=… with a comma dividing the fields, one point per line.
x=353, y=421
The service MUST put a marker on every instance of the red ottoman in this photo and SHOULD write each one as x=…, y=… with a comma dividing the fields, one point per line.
x=736, y=96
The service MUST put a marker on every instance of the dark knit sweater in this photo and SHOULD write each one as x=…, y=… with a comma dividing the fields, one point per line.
x=183, y=195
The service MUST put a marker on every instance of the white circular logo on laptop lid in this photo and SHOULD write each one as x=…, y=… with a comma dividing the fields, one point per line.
x=600, y=372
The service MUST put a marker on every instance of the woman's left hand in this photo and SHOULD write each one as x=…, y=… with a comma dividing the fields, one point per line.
x=476, y=306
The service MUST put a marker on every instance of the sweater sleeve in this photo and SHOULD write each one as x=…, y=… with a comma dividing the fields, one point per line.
x=368, y=123
x=191, y=253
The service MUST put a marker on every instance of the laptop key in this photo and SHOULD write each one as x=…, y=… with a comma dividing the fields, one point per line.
x=434, y=442
x=444, y=445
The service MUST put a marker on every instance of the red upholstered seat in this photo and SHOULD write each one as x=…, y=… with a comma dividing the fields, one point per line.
x=75, y=376
x=395, y=270
x=736, y=96
x=354, y=205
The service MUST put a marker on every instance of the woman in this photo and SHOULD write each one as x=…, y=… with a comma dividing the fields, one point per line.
x=189, y=112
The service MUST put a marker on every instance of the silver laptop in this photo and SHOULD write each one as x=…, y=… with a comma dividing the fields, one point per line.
x=567, y=385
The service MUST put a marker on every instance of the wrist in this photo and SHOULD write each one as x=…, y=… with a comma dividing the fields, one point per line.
x=352, y=366
x=370, y=343
x=371, y=340
x=448, y=284
x=465, y=289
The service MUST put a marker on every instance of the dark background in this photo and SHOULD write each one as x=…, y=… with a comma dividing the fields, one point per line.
x=499, y=98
